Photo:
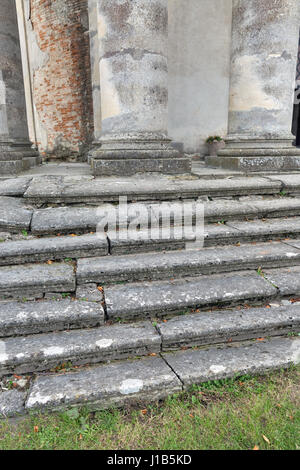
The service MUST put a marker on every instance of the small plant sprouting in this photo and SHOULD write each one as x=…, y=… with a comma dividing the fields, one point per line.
x=260, y=272
x=213, y=138
x=24, y=233
x=65, y=295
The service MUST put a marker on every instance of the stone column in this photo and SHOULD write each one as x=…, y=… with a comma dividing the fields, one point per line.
x=16, y=153
x=133, y=44
x=263, y=68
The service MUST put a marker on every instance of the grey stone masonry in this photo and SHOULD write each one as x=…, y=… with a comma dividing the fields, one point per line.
x=43, y=352
x=89, y=292
x=56, y=248
x=254, y=230
x=14, y=186
x=14, y=215
x=145, y=242
x=194, y=367
x=164, y=297
x=153, y=266
x=36, y=278
x=151, y=379
x=57, y=189
x=228, y=326
x=290, y=183
x=24, y=318
x=15, y=149
x=12, y=403
x=78, y=219
x=287, y=280
x=260, y=109
x=105, y=386
x=133, y=47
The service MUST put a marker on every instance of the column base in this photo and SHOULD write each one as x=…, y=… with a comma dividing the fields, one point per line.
x=255, y=155
x=15, y=158
x=127, y=158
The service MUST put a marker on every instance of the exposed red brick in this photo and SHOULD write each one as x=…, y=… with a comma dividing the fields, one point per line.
x=62, y=87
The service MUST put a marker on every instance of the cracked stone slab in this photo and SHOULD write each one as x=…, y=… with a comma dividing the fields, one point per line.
x=56, y=248
x=58, y=189
x=89, y=292
x=221, y=327
x=36, y=278
x=287, y=280
x=42, y=352
x=293, y=243
x=14, y=186
x=153, y=266
x=12, y=403
x=197, y=366
x=14, y=215
x=165, y=297
x=290, y=183
x=24, y=318
x=102, y=387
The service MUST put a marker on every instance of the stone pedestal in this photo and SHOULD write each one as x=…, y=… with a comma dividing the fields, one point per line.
x=16, y=153
x=263, y=69
x=133, y=42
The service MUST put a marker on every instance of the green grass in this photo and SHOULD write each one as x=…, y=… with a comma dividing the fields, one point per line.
x=233, y=414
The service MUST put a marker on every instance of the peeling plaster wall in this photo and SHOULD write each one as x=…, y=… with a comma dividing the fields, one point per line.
x=58, y=44
x=199, y=70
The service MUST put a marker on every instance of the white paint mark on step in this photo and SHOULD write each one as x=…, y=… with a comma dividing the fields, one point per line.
x=217, y=369
x=131, y=386
x=53, y=351
x=3, y=355
x=104, y=343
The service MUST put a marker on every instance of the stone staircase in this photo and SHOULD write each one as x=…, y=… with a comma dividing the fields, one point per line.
x=101, y=321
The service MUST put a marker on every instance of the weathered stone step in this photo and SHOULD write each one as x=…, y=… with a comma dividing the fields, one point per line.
x=25, y=318
x=36, y=279
x=66, y=189
x=14, y=186
x=57, y=189
x=84, y=219
x=152, y=379
x=159, y=298
x=154, y=266
x=42, y=352
x=197, y=366
x=91, y=245
x=14, y=214
x=55, y=248
x=228, y=326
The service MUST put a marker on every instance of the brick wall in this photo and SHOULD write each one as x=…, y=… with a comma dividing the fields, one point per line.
x=62, y=83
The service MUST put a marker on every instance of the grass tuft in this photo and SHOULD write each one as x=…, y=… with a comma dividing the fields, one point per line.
x=242, y=413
